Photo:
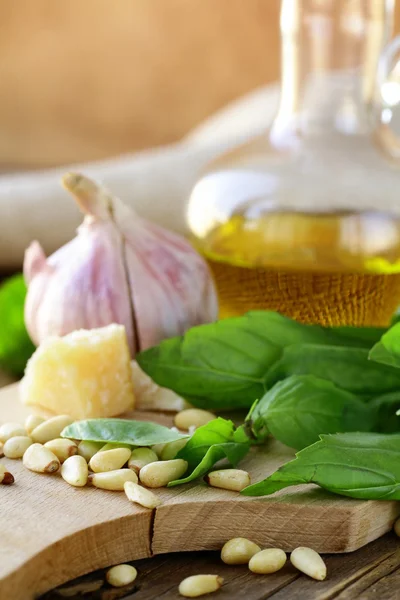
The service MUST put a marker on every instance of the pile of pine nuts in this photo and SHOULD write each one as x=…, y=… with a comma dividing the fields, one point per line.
x=119, y=467
x=116, y=467
x=238, y=551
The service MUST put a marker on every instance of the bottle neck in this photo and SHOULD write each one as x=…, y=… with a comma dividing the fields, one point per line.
x=330, y=53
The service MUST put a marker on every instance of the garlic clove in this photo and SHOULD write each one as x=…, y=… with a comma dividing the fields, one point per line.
x=172, y=289
x=35, y=261
x=81, y=286
x=91, y=199
x=118, y=269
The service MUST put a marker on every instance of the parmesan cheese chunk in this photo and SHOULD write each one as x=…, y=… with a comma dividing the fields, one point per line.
x=85, y=374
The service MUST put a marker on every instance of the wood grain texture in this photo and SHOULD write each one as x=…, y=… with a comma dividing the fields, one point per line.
x=52, y=533
x=371, y=572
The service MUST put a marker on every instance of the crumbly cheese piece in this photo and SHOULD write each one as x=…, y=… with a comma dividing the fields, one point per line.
x=85, y=374
x=150, y=396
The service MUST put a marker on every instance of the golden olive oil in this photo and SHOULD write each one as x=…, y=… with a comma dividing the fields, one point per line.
x=331, y=269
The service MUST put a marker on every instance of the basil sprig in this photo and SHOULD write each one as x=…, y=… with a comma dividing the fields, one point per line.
x=323, y=391
x=358, y=465
x=121, y=431
x=347, y=368
x=231, y=363
x=387, y=350
x=296, y=410
x=217, y=440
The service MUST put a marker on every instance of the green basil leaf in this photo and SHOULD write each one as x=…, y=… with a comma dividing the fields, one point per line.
x=209, y=444
x=348, y=368
x=15, y=345
x=395, y=318
x=385, y=408
x=297, y=410
x=360, y=337
x=233, y=452
x=223, y=365
x=358, y=465
x=121, y=431
x=220, y=365
x=387, y=351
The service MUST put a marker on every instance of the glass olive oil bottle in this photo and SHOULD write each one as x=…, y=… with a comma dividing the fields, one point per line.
x=305, y=219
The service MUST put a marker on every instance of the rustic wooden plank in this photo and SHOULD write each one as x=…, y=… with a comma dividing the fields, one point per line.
x=343, y=572
x=384, y=577
x=90, y=528
x=370, y=573
x=388, y=588
x=160, y=576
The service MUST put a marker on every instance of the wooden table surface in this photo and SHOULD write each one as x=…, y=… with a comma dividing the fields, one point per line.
x=372, y=573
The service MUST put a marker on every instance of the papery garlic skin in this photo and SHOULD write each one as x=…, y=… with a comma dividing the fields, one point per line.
x=81, y=286
x=119, y=269
x=150, y=396
x=169, y=305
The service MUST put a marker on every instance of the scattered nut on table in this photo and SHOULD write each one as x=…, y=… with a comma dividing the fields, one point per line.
x=113, y=480
x=228, y=479
x=199, y=585
x=50, y=429
x=75, y=471
x=309, y=562
x=192, y=417
x=15, y=447
x=6, y=478
x=159, y=474
x=9, y=430
x=267, y=561
x=140, y=495
x=238, y=551
x=121, y=575
x=39, y=459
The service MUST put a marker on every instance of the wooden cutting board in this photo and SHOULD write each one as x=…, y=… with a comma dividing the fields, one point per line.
x=51, y=532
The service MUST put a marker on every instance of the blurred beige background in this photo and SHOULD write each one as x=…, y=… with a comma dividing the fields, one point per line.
x=85, y=79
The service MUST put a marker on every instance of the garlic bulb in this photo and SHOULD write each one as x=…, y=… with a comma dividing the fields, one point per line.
x=118, y=269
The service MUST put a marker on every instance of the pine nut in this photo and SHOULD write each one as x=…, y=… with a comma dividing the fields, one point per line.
x=193, y=417
x=88, y=449
x=198, y=585
x=140, y=495
x=238, y=551
x=39, y=459
x=141, y=457
x=62, y=448
x=160, y=473
x=50, y=429
x=33, y=421
x=158, y=448
x=267, y=561
x=15, y=447
x=109, y=460
x=9, y=430
x=5, y=476
x=171, y=449
x=121, y=575
x=1, y=449
x=309, y=562
x=75, y=471
x=112, y=446
x=113, y=480
x=397, y=527
x=228, y=479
